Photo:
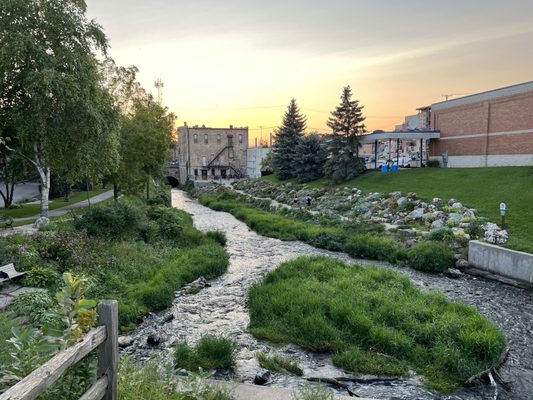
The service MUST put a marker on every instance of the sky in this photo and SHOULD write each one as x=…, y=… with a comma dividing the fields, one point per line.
x=240, y=62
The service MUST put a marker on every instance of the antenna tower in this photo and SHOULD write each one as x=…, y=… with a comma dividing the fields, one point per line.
x=159, y=86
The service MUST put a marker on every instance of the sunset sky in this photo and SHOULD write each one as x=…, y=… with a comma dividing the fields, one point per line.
x=241, y=61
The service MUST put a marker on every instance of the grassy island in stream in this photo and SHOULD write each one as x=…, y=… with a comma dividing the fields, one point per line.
x=373, y=321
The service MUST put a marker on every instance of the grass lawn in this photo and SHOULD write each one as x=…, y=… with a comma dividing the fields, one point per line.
x=480, y=188
x=29, y=210
x=373, y=321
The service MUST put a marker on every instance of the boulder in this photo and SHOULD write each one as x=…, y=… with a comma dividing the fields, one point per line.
x=454, y=273
x=262, y=377
x=437, y=224
x=402, y=201
x=461, y=263
x=41, y=222
x=154, y=339
x=436, y=202
x=125, y=341
x=455, y=216
x=411, y=196
x=451, y=202
x=457, y=206
x=417, y=214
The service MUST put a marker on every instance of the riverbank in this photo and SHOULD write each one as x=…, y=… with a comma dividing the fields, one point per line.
x=221, y=309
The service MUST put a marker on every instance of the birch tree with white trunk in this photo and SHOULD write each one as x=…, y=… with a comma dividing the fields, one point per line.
x=50, y=94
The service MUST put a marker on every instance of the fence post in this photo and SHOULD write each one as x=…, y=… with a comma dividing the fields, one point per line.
x=108, y=351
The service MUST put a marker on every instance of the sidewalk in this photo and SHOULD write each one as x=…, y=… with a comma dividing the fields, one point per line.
x=63, y=210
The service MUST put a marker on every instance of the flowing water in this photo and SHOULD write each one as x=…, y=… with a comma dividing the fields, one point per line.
x=221, y=309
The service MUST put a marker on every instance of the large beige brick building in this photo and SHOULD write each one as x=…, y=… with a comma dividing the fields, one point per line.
x=211, y=153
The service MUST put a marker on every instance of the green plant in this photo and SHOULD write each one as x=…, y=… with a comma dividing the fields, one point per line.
x=41, y=277
x=217, y=236
x=375, y=247
x=32, y=305
x=278, y=363
x=161, y=196
x=441, y=234
x=430, y=256
x=211, y=352
x=433, y=164
x=112, y=221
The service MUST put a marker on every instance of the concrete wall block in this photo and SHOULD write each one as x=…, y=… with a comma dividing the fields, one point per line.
x=514, y=264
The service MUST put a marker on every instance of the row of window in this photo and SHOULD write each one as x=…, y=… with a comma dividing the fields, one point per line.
x=219, y=139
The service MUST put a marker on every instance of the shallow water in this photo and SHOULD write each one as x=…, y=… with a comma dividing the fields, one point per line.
x=221, y=309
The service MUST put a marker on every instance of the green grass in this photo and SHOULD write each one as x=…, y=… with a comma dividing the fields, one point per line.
x=211, y=352
x=480, y=188
x=278, y=363
x=373, y=321
x=6, y=323
x=30, y=210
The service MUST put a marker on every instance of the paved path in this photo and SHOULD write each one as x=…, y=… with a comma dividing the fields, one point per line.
x=63, y=210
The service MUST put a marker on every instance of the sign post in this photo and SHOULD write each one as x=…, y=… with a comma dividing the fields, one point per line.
x=503, y=208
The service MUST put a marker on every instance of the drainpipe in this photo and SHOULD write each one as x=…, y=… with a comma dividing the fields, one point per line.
x=188, y=153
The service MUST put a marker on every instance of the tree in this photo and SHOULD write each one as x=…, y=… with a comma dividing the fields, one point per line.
x=346, y=123
x=287, y=138
x=311, y=155
x=145, y=139
x=49, y=90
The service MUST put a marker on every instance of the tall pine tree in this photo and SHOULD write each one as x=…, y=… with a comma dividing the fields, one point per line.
x=311, y=155
x=287, y=138
x=346, y=123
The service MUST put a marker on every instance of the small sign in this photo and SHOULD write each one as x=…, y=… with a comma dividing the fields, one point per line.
x=503, y=208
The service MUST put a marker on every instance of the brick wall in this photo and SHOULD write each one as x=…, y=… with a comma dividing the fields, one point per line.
x=502, y=125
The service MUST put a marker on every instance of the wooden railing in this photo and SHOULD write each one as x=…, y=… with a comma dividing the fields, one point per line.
x=105, y=337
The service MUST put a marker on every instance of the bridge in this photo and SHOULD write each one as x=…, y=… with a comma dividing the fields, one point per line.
x=172, y=173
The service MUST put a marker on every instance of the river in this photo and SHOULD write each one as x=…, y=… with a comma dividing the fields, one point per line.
x=221, y=309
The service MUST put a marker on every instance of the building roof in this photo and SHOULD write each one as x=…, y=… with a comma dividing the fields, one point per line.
x=484, y=96
x=410, y=135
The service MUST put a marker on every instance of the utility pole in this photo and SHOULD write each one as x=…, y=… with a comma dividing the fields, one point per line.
x=159, y=86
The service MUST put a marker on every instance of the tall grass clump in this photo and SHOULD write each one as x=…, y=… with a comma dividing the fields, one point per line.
x=373, y=321
x=430, y=256
x=211, y=352
x=278, y=363
x=376, y=247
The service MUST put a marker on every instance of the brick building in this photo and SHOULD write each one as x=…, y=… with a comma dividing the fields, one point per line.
x=211, y=153
x=493, y=128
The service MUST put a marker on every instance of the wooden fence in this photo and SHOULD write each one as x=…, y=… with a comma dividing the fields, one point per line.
x=105, y=337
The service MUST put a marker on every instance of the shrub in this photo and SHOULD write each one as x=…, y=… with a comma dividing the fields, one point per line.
x=278, y=363
x=376, y=247
x=211, y=352
x=433, y=164
x=430, y=256
x=328, y=241
x=32, y=305
x=41, y=277
x=169, y=220
x=217, y=236
x=441, y=235
x=161, y=196
x=313, y=392
x=112, y=221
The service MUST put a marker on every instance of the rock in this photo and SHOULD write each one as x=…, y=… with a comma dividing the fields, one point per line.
x=41, y=222
x=411, y=196
x=455, y=216
x=125, y=341
x=495, y=235
x=168, y=318
x=470, y=213
x=461, y=264
x=457, y=206
x=262, y=376
x=417, y=213
x=396, y=195
x=402, y=201
x=451, y=201
x=436, y=202
x=458, y=231
x=437, y=224
x=183, y=372
x=454, y=273
x=154, y=339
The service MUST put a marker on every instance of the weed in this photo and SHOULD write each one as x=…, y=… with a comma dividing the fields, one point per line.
x=430, y=256
x=278, y=363
x=211, y=352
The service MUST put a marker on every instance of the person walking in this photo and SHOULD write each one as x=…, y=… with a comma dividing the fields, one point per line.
x=308, y=200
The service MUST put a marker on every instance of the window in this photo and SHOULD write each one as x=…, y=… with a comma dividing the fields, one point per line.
x=195, y=173
x=204, y=160
x=219, y=140
x=205, y=139
x=195, y=138
x=230, y=140
x=240, y=138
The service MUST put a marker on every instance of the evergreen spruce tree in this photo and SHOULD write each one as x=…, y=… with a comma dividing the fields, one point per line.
x=287, y=138
x=311, y=155
x=346, y=123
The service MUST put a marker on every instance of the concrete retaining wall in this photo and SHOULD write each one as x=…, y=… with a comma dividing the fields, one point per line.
x=496, y=259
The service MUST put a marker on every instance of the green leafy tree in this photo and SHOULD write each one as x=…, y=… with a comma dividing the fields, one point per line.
x=266, y=164
x=145, y=140
x=346, y=123
x=50, y=94
x=311, y=155
x=287, y=138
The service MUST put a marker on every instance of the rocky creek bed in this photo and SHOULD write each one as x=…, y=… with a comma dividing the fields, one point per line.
x=220, y=308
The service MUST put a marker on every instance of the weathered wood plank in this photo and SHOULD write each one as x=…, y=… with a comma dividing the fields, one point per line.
x=44, y=376
x=108, y=352
x=96, y=391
